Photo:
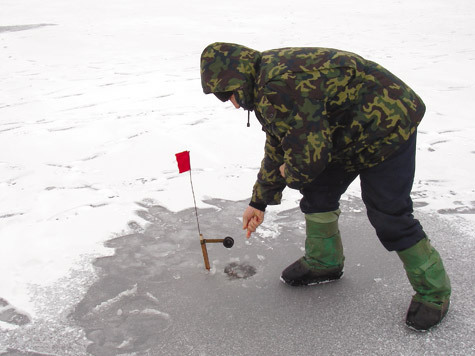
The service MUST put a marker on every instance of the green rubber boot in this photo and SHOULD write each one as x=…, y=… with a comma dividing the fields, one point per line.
x=323, y=260
x=427, y=276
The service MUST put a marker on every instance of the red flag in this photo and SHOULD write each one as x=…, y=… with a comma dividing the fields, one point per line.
x=183, y=159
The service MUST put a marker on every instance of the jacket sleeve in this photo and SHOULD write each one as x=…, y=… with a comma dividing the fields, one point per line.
x=270, y=184
x=307, y=144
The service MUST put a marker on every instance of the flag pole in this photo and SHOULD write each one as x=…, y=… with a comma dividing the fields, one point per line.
x=194, y=200
x=204, y=250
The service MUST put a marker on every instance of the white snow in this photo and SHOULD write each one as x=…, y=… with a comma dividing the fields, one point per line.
x=95, y=102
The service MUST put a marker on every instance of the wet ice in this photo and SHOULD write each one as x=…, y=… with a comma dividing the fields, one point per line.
x=236, y=270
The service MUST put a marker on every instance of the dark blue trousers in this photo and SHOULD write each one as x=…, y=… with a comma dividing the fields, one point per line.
x=385, y=190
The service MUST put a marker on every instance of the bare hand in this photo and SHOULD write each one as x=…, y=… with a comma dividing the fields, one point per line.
x=282, y=170
x=251, y=219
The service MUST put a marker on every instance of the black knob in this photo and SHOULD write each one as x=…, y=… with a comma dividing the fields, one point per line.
x=228, y=242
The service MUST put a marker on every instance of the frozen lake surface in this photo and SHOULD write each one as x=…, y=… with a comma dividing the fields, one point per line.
x=154, y=296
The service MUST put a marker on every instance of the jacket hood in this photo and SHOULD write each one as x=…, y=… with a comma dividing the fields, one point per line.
x=229, y=67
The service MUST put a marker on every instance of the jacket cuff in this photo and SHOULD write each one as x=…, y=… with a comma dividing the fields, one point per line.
x=258, y=206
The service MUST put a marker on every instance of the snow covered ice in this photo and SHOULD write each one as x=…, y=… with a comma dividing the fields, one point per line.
x=97, y=97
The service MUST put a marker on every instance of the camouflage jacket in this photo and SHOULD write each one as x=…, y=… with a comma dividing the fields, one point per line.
x=318, y=107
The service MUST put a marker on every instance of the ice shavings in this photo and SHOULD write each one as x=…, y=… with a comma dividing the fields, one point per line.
x=156, y=312
x=270, y=228
x=106, y=304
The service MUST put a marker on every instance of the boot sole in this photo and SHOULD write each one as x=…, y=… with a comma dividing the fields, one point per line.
x=297, y=284
x=422, y=331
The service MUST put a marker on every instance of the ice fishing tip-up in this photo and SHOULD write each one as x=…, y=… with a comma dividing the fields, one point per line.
x=227, y=242
x=184, y=165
